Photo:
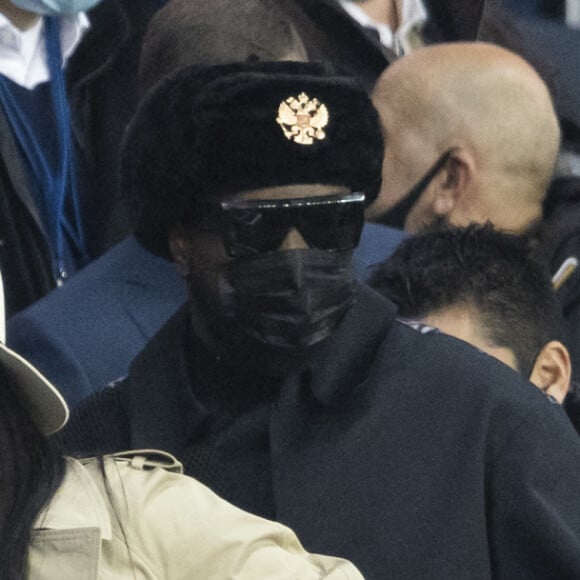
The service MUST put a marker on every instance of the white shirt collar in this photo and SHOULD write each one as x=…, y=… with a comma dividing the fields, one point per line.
x=22, y=52
x=414, y=15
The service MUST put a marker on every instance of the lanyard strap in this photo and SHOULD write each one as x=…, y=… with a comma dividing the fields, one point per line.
x=53, y=182
x=67, y=176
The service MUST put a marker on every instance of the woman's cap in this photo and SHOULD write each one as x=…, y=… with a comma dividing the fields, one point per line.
x=37, y=395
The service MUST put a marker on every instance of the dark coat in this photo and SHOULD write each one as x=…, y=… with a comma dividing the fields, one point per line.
x=101, y=78
x=122, y=299
x=330, y=34
x=412, y=454
x=84, y=335
x=560, y=240
x=25, y=256
x=102, y=82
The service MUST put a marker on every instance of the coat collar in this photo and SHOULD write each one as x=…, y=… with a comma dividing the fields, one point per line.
x=110, y=20
x=453, y=20
x=164, y=413
x=339, y=367
x=321, y=22
x=147, y=284
x=18, y=174
x=347, y=358
x=77, y=504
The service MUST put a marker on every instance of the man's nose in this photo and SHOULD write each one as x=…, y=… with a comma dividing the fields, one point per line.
x=293, y=241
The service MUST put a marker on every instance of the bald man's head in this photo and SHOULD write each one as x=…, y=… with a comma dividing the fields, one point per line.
x=471, y=131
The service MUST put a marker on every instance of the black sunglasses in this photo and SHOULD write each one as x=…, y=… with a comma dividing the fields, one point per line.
x=332, y=222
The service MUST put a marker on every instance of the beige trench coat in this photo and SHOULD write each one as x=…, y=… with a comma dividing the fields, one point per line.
x=154, y=523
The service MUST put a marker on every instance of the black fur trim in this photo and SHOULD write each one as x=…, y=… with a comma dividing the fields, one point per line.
x=209, y=133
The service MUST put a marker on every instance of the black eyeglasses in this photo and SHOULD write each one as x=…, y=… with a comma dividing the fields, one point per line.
x=332, y=222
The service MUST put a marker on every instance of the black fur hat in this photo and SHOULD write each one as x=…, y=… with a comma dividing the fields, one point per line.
x=209, y=133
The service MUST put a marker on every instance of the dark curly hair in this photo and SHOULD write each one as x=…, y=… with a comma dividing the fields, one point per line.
x=476, y=266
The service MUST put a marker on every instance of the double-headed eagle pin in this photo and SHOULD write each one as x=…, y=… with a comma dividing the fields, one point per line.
x=303, y=119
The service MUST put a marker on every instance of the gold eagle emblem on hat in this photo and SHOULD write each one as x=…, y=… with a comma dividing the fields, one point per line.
x=303, y=119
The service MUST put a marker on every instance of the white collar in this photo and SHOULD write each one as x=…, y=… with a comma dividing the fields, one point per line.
x=22, y=52
x=78, y=503
x=414, y=14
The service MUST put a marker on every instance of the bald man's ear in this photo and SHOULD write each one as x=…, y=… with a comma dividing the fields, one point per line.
x=552, y=370
x=179, y=243
x=455, y=179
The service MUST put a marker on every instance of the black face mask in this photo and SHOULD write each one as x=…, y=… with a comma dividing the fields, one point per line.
x=289, y=299
x=396, y=216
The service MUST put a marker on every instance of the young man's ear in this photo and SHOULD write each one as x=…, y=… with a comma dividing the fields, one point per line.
x=454, y=181
x=179, y=243
x=553, y=370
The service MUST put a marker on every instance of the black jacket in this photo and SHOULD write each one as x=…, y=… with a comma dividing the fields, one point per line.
x=101, y=78
x=330, y=34
x=102, y=82
x=560, y=240
x=412, y=454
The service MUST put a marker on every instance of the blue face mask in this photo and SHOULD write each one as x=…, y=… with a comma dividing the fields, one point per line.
x=55, y=7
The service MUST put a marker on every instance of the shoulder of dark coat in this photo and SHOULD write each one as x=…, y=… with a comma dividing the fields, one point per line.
x=98, y=426
x=447, y=363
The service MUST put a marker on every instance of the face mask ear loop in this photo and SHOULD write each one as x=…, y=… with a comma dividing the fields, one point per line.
x=396, y=215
